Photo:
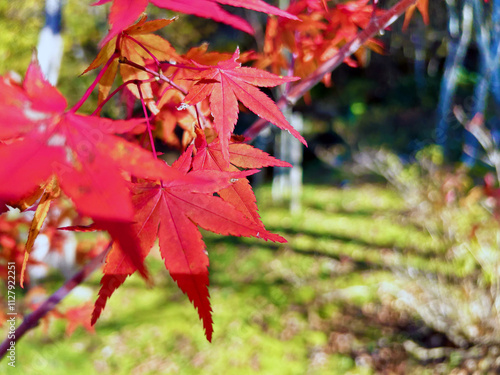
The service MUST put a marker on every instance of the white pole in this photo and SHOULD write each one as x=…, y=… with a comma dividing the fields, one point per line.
x=50, y=43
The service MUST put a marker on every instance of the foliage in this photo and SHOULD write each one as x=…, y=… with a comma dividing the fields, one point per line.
x=14, y=44
x=111, y=170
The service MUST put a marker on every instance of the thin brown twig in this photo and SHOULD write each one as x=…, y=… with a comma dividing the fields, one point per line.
x=159, y=75
x=164, y=78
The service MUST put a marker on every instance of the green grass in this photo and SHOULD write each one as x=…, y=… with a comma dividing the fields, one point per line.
x=311, y=306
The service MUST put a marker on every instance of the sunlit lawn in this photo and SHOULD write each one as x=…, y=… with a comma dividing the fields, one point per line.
x=312, y=306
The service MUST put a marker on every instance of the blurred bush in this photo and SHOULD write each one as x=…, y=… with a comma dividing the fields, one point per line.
x=445, y=202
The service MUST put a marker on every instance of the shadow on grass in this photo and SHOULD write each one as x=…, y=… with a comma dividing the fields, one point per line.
x=358, y=212
x=360, y=265
x=362, y=254
x=377, y=335
x=424, y=253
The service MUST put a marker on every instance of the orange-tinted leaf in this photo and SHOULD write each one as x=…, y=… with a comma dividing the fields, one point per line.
x=423, y=8
x=123, y=14
x=143, y=27
x=133, y=51
x=51, y=192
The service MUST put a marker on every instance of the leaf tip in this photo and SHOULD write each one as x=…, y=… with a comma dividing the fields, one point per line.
x=23, y=268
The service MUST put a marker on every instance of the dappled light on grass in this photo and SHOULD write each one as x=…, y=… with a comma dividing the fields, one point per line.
x=328, y=302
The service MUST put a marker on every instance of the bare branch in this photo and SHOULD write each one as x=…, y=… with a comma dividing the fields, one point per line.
x=33, y=319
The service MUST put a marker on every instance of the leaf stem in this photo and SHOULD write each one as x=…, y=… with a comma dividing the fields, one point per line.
x=181, y=66
x=94, y=84
x=151, y=139
x=119, y=88
x=144, y=48
x=156, y=74
x=163, y=78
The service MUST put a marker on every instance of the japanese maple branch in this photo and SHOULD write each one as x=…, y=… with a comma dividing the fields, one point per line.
x=33, y=319
x=159, y=75
x=378, y=23
x=298, y=90
x=117, y=90
x=150, y=133
x=163, y=78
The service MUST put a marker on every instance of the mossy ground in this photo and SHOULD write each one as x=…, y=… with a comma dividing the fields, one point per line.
x=312, y=306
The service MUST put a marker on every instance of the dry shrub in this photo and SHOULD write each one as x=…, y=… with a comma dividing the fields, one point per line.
x=465, y=304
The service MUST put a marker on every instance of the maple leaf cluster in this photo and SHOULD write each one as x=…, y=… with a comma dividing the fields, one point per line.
x=321, y=27
x=183, y=90
x=114, y=176
x=125, y=12
x=110, y=169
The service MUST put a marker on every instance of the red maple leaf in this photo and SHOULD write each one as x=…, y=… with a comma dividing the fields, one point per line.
x=124, y=12
x=225, y=84
x=242, y=155
x=78, y=316
x=172, y=212
x=81, y=151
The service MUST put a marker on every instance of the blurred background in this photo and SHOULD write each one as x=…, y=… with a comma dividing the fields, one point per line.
x=392, y=261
